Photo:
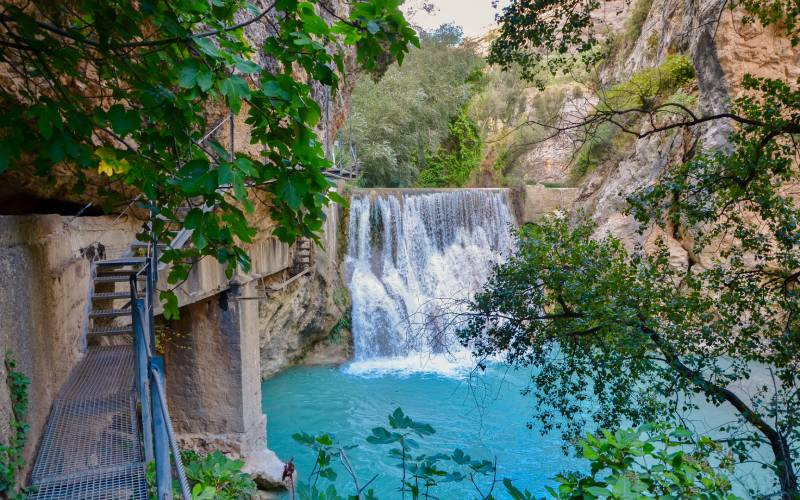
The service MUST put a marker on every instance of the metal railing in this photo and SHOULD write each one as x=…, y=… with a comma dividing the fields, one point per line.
x=158, y=434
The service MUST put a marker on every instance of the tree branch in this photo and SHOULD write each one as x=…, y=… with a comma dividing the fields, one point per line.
x=146, y=43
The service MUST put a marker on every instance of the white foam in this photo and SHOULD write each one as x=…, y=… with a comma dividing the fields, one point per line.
x=413, y=260
x=456, y=366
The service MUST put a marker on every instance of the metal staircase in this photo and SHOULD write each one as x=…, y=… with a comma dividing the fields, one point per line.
x=110, y=418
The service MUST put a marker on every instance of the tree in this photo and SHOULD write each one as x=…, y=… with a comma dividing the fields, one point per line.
x=400, y=120
x=123, y=88
x=617, y=337
x=457, y=157
x=628, y=332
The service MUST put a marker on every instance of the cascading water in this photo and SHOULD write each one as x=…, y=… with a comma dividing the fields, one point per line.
x=413, y=258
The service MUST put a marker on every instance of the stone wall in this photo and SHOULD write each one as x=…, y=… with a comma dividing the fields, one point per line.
x=45, y=274
x=540, y=200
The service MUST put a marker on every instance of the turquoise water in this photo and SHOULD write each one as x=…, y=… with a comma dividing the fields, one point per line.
x=486, y=419
x=485, y=416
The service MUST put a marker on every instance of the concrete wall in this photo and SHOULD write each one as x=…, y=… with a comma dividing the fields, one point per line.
x=216, y=352
x=207, y=277
x=213, y=376
x=44, y=290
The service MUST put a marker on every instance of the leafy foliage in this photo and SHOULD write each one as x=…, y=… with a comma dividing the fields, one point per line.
x=11, y=459
x=653, y=461
x=421, y=473
x=457, y=157
x=638, y=337
x=120, y=92
x=552, y=36
x=398, y=122
x=216, y=476
x=649, y=86
x=211, y=476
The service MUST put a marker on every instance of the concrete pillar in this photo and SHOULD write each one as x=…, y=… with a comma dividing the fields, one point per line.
x=214, y=380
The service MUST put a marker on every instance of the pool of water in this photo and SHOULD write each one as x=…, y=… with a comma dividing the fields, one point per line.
x=485, y=418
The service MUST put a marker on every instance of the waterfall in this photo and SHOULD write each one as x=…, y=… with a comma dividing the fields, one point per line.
x=413, y=258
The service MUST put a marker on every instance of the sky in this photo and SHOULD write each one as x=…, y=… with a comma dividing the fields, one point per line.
x=474, y=16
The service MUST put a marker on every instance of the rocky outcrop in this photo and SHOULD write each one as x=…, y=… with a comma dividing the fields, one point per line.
x=298, y=319
x=722, y=52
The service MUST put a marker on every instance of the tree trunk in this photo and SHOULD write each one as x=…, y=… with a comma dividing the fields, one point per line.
x=784, y=468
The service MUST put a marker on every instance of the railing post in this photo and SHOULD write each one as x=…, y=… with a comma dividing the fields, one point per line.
x=151, y=325
x=142, y=379
x=160, y=437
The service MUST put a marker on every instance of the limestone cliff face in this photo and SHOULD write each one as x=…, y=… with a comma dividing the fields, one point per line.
x=722, y=49
x=296, y=321
x=721, y=53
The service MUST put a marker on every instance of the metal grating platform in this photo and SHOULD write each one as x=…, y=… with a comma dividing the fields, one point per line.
x=123, y=483
x=91, y=447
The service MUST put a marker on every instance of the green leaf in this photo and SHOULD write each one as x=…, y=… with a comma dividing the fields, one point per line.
x=123, y=121
x=205, y=79
x=234, y=89
x=207, y=46
x=337, y=198
x=170, y=301
x=188, y=72
x=248, y=67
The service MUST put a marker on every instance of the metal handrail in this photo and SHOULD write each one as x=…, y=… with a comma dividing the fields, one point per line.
x=158, y=435
x=176, y=455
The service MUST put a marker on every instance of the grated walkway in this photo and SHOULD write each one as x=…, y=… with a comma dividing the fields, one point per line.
x=91, y=447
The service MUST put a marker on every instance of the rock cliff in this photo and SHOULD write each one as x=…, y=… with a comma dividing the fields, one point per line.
x=721, y=52
x=643, y=36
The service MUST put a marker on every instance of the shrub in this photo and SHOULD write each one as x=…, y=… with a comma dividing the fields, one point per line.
x=456, y=159
x=217, y=476
x=653, y=461
x=646, y=87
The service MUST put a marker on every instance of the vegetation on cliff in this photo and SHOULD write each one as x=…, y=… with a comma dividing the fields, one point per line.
x=11, y=460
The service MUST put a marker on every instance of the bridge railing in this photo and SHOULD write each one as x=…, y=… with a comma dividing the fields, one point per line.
x=158, y=434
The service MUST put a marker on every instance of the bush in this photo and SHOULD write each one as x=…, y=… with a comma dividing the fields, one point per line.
x=653, y=461
x=216, y=476
x=456, y=159
x=646, y=87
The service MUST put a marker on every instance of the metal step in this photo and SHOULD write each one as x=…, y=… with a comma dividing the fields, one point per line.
x=125, y=481
x=110, y=295
x=142, y=244
x=109, y=313
x=114, y=278
x=124, y=262
x=110, y=331
x=106, y=271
